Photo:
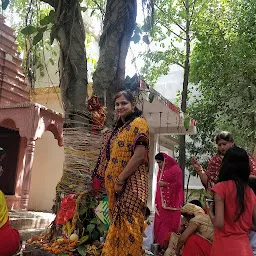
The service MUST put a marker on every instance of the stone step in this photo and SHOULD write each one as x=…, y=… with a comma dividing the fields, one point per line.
x=27, y=223
x=30, y=223
x=31, y=214
x=26, y=234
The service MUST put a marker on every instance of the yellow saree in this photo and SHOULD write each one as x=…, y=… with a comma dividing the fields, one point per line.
x=3, y=210
x=125, y=235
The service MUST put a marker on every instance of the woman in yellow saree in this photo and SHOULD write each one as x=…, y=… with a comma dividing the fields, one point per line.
x=123, y=169
x=10, y=238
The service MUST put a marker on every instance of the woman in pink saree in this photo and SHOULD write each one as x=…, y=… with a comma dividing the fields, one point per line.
x=169, y=199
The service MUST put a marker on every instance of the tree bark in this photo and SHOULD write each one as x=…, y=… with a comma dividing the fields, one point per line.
x=119, y=23
x=70, y=33
x=182, y=147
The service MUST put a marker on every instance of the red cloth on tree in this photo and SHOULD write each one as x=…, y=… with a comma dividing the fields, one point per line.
x=67, y=209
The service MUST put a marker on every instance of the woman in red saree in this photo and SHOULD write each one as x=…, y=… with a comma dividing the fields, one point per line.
x=10, y=237
x=169, y=199
x=209, y=177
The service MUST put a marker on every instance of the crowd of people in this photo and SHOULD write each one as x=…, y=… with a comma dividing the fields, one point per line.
x=225, y=225
x=224, y=228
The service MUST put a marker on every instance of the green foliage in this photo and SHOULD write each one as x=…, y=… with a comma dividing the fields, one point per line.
x=223, y=66
x=28, y=30
x=36, y=33
x=32, y=21
x=169, y=37
x=82, y=250
x=93, y=227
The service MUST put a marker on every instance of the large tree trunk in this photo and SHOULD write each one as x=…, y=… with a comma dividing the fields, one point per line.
x=69, y=31
x=182, y=148
x=119, y=23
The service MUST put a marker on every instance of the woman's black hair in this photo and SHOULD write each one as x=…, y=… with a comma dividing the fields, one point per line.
x=235, y=166
x=252, y=184
x=196, y=202
x=147, y=212
x=159, y=156
x=224, y=135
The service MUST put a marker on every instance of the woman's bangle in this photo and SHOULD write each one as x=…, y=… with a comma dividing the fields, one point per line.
x=119, y=182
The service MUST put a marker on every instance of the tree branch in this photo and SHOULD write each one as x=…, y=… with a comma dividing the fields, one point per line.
x=193, y=9
x=174, y=33
x=50, y=2
x=179, y=64
x=100, y=8
x=177, y=50
x=177, y=24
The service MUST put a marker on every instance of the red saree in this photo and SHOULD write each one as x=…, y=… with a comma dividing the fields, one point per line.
x=197, y=246
x=168, y=201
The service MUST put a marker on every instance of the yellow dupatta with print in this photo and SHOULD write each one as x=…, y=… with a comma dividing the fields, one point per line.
x=3, y=210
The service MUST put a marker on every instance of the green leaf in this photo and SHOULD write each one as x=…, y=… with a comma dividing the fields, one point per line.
x=83, y=240
x=186, y=123
x=52, y=34
x=135, y=38
x=90, y=228
x=146, y=39
x=5, y=4
x=94, y=221
x=83, y=209
x=47, y=19
x=102, y=228
x=92, y=205
x=38, y=37
x=95, y=234
x=28, y=30
x=81, y=250
x=52, y=61
x=42, y=29
x=83, y=9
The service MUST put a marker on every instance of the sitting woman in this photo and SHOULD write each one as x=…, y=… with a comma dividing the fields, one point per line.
x=10, y=238
x=198, y=236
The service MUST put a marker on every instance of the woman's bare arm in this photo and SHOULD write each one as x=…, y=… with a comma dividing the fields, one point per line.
x=200, y=171
x=217, y=218
x=191, y=229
